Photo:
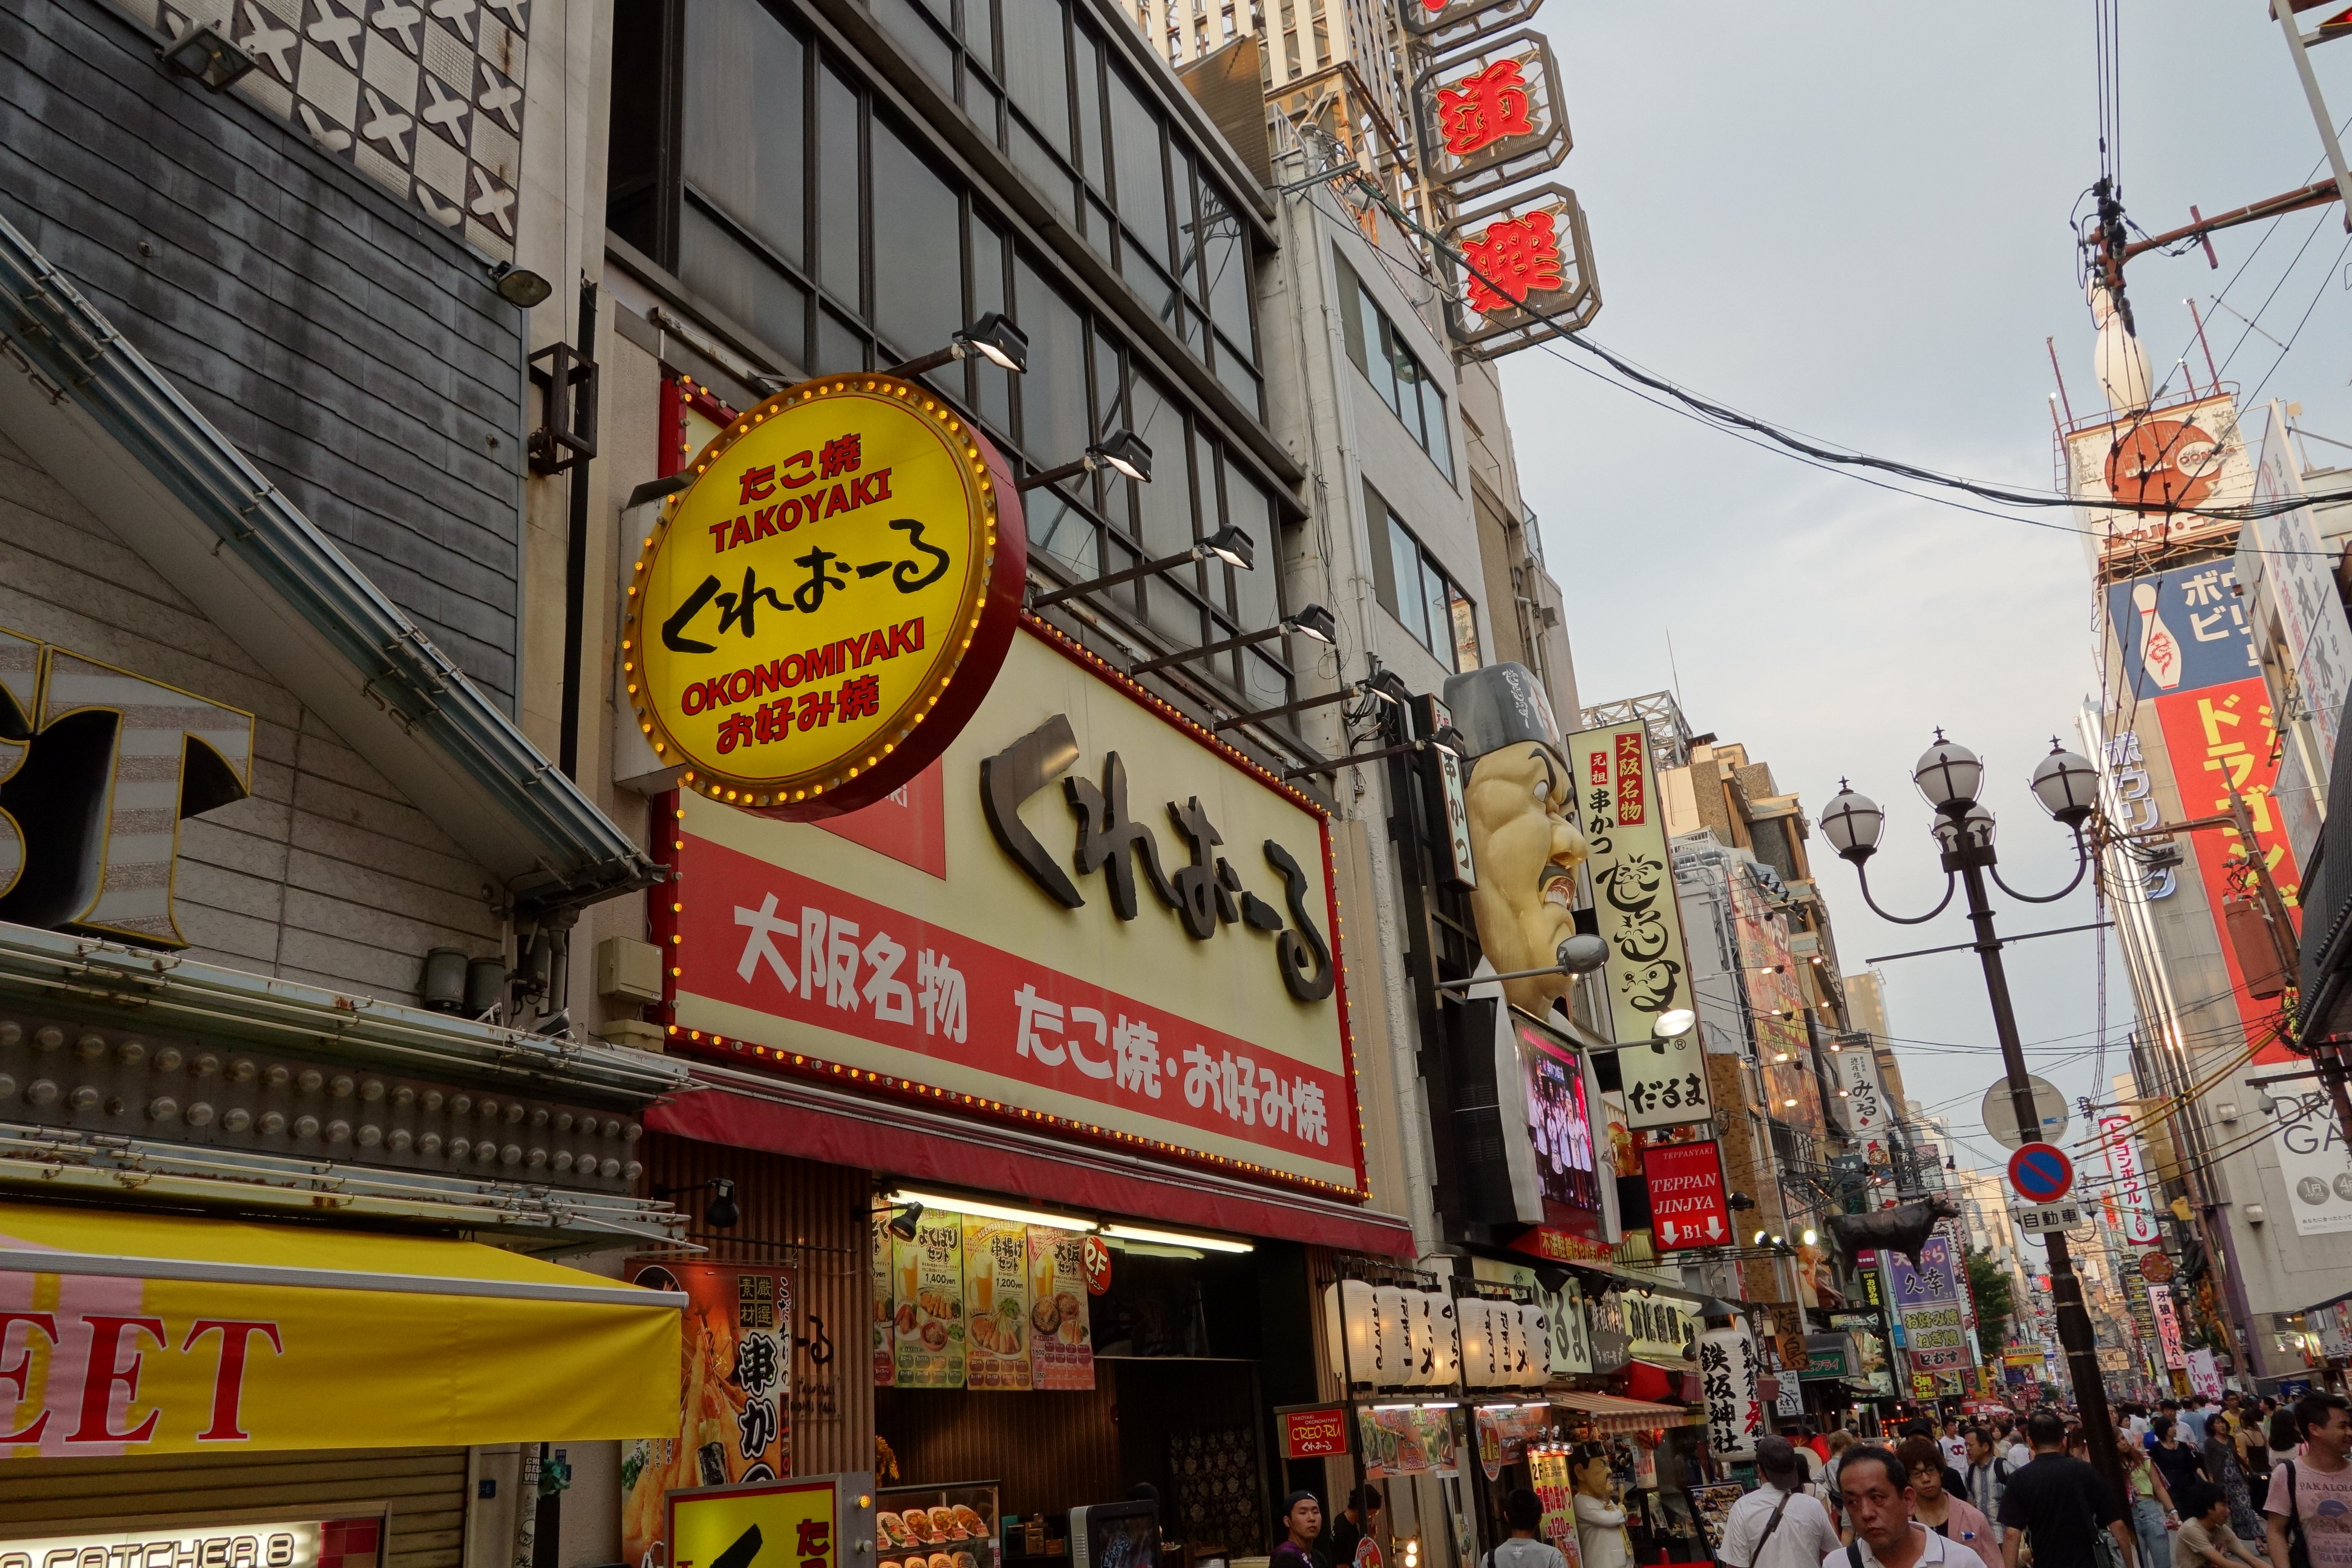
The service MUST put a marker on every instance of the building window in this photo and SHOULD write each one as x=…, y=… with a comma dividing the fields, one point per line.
x=777, y=225
x=1412, y=587
x=1396, y=373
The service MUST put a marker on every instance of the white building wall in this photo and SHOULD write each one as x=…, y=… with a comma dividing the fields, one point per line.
x=323, y=873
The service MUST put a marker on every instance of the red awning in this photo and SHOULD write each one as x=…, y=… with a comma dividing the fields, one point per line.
x=810, y=1123
x=1610, y=1414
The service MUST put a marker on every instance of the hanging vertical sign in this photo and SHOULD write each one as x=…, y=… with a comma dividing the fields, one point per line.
x=1728, y=1373
x=1665, y=1082
x=1494, y=115
x=1687, y=1204
x=2285, y=549
x=2127, y=1185
x=1460, y=866
x=2167, y=1326
x=1632, y=877
x=1862, y=1100
x=1929, y=1299
x=1525, y=261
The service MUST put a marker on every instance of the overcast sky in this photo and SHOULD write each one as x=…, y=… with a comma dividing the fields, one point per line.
x=1852, y=220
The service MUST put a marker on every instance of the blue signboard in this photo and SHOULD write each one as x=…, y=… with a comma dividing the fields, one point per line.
x=2183, y=629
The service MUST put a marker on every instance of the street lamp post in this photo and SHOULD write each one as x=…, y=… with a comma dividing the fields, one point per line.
x=2066, y=784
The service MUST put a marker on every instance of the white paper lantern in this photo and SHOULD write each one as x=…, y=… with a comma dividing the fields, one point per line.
x=1348, y=1330
x=1393, y=1357
x=1535, y=1338
x=1478, y=1363
x=1445, y=1340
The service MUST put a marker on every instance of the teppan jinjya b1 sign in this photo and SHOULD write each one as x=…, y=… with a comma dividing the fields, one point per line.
x=814, y=618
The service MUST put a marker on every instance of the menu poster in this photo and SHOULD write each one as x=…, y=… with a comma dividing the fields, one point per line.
x=1061, y=1343
x=1505, y=1431
x=995, y=1304
x=1407, y=1441
x=885, y=1304
x=1548, y=1473
x=1713, y=1505
x=926, y=1287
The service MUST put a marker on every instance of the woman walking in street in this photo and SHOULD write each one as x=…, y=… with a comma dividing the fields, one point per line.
x=1954, y=1518
x=2175, y=1460
x=2223, y=1468
x=2151, y=1504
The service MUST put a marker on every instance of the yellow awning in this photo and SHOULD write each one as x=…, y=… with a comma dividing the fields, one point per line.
x=127, y=1332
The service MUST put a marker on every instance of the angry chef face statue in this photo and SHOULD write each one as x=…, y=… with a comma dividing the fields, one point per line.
x=1524, y=841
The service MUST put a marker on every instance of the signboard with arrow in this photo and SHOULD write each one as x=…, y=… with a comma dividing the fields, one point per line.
x=1686, y=1198
x=821, y=1521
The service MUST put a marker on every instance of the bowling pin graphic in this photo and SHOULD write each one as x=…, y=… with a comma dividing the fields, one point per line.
x=2160, y=652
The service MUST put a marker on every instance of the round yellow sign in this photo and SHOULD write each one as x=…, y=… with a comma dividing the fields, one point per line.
x=816, y=616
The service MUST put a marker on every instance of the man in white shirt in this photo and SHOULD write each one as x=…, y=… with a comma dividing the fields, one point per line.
x=1986, y=1476
x=1877, y=1493
x=1956, y=1452
x=1777, y=1525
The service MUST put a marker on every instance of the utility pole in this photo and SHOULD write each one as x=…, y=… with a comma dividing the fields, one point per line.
x=2286, y=11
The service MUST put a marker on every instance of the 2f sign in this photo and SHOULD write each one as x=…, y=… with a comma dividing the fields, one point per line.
x=97, y=768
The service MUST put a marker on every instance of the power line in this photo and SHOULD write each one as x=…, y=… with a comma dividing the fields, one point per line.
x=1733, y=421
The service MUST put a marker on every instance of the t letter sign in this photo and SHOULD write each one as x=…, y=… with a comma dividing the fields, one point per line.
x=97, y=768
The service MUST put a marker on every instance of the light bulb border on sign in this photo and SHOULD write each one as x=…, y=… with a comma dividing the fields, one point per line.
x=951, y=690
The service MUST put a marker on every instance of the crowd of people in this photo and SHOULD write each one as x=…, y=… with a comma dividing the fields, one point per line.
x=2246, y=1484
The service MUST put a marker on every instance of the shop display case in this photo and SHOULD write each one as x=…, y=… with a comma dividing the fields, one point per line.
x=952, y=1526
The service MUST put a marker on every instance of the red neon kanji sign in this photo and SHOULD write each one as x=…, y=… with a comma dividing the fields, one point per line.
x=1484, y=107
x=1514, y=257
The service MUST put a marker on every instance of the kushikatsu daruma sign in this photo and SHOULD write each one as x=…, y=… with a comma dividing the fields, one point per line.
x=811, y=622
x=1088, y=917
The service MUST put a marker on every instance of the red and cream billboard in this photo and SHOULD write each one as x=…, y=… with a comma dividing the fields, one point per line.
x=1089, y=916
x=2184, y=454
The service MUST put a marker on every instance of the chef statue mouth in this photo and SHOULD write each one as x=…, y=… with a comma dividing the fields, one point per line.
x=1555, y=885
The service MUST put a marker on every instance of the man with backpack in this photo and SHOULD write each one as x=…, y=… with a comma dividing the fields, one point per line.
x=2310, y=1500
x=1987, y=1478
x=1778, y=1525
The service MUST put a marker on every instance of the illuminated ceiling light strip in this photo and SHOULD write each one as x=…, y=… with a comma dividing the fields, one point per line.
x=1177, y=1238
x=988, y=1210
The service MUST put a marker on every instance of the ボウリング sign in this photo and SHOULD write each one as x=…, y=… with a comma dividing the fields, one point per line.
x=816, y=616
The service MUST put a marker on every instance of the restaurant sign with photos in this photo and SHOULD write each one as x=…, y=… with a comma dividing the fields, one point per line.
x=986, y=1304
x=736, y=1425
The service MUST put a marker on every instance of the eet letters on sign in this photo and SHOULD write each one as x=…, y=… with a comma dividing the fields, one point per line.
x=816, y=618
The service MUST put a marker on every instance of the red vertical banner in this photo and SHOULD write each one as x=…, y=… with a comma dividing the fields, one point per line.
x=1631, y=803
x=2220, y=737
